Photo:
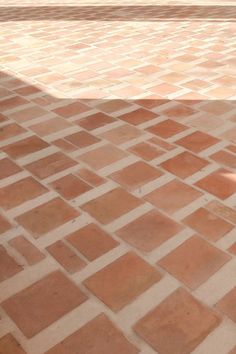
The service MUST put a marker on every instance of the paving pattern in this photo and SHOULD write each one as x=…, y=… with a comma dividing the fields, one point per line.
x=117, y=175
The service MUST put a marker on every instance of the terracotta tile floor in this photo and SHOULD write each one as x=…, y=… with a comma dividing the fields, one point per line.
x=117, y=177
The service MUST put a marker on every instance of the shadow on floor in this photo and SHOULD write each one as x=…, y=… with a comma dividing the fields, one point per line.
x=118, y=13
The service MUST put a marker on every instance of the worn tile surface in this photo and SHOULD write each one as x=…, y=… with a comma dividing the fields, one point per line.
x=117, y=177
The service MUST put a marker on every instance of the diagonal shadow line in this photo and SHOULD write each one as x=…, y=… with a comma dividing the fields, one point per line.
x=119, y=13
x=18, y=97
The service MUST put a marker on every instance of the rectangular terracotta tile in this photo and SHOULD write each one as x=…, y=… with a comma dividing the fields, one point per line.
x=12, y=102
x=50, y=165
x=24, y=147
x=82, y=139
x=179, y=195
x=47, y=217
x=50, y=126
x=121, y=134
x=228, y=304
x=208, y=224
x=11, y=130
x=167, y=128
x=184, y=165
x=102, y=156
x=111, y=106
x=71, y=109
x=66, y=257
x=8, y=168
x=146, y=151
x=179, y=112
x=92, y=241
x=41, y=304
x=149, y=231
x=31, y=253
x=224, y=158
x=194, y=261
x=111, y=205
x=138, y=116
x=70, y=186
x=95, y=121
x=136, y=175
x=197, y=141
x=8, y=266
x=102, y=333
x=19, y=192
x=9, y=345
x=28, y=113
x=221, y=183
x=122, y=281
x=178, y=324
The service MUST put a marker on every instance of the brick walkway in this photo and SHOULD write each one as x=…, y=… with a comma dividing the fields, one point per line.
x=117, y=173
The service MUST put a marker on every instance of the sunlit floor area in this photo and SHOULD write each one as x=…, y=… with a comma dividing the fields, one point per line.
x=117, y=177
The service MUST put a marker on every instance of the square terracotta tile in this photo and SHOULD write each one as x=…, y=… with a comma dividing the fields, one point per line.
x=146, y=151
x=9, y=345
x=47, y=217
x=228, y=304
x=82, y=139
x=178, y=324
x=24, y=147
x=11, y=130
x=41, y=304
x=179, y=195
x=71, y=109
x=224, y=158
x=122, y=134
x=30, y=252
x=95, y=121
x=197, y=141
x=184, y=164
x=208, y=224
x=19, y=192
x=50, y=126
x=194, y=261
x=8, y=168
x=221, y=183
x=111, y=205
x=27, y=114
x=167, y=128
x=12, y=102
x=50, y=165
x=138, y=116
x=104, y=336
x=102, y=156
x=149, y=231
x=179, y=112
x=122, y=281
x=66, y=257
x=92, y=241
x=70, y=186
x=111, y=106
x=8, y=266
x=136, y=175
